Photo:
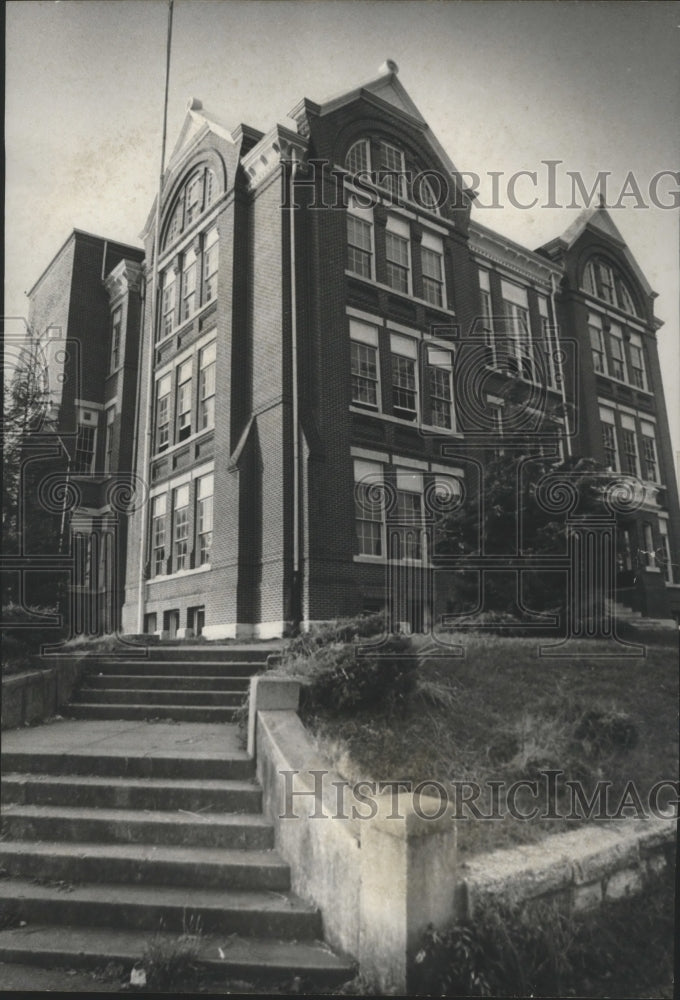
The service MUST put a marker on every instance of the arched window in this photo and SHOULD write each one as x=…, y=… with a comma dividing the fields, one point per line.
x=425, y=194
x=604, y=281
x=194, y=197
x=358, y=159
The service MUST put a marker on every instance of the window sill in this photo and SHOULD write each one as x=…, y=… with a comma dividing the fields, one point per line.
x=628, y=385
x=384, y=561
x=181, y=327
x=405, y=423
x=179, y=574
x=182, y=444
x=394, y=291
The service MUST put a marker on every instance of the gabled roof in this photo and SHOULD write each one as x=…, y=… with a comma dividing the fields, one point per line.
x=387, y=89
x=197, y=122
x=598, y=220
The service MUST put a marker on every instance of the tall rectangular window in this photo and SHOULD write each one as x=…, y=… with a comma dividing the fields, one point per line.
x=189, y=274
x=210, y=265
x=487, y=315
x=163, y=412
x=617, y=354
x=85, y=448
x=108, y=450
x=597, y=343
x=168, y=303
x=204, y=518
x=364, y=361
x=392, y=174
x=439, y=374
x=193, y=199
x=359, y=239
x=116, y=328
x=665, y=550
x=369, y=509
x=406, y=529
x=404, y=377
x=609, y=438
x=548, y=367
x=183, y=419
x=637, y=362
x=206, y=386
x=629, y=445
x=516, y=312
x=181, y=527
x=650, y=461
x=398, y=254
x=159, y=508
x=359, y=158
x=432, y=264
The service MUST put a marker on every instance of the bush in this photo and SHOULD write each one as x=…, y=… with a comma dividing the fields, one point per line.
x=171, y=963
x=539, y=950
x=20, y=646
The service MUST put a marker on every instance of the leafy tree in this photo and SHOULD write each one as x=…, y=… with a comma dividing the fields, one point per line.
x=520, y=505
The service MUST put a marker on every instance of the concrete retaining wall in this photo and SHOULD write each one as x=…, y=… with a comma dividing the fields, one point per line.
x=579, y=870
x=37, y=695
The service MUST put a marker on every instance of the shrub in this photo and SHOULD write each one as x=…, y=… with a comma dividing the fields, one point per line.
x=170, y=963
x=607, y=730
x=343, y=680
x=20, y=645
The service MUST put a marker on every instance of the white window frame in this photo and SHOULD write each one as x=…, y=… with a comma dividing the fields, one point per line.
x=431, y=244
x=616, y=337
x=184, y=386
x=385, y=174
x=116, y=339
x=189, y=284
x=205, y=489
x=206, y=385
x=648, y=435
x=158, y=532
x=487, y=313
x=405, y=348
x=368, y=475
x=441, y=361
x=108, y=445
x=168, y=303
x=518, y=320
x=608, y=419
x=595, y=327
x=628, y=427
x=409, y=483
x=365, y=146
x=364, y=216
x=181, y=551
x=400, y=231
x=365, y=335
x=635, y=345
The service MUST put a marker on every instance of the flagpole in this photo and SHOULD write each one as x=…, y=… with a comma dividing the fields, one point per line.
x=154, y=318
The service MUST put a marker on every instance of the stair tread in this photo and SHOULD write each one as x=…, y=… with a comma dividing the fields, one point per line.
x=203, y=784
x=222, y=856
x=86, y=943
x=194, y=897
x=171, y=817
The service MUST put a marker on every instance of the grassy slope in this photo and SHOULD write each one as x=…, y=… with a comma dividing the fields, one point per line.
x=502, y=712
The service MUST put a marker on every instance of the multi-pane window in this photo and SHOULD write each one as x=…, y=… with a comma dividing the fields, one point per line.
x=441, y=393
x=194, y=198
x=649, y=550
x=364, y=374
x=605, y=282
x=206, y=387
x=108, y=449
x=609, y=437
x=189, y=284
x=359, y=241
x=617, y=354
x=404, y=377
x=369, y=511
x=358, y=159
x=665, y=550
x=637, y=362
x=163, y=412
x=184, y=400
x=650, y=461
x=487, y=315
x=116, y=327
x=85, y=447
x=391, y=174
x=406, y=529
x=158, y=518
x=397, y=254
x=181, y=527
x=168, y=303
x=548, y=367
x=432, y=263
x=192, y=206
x=204, y=517
x=516, y=312
x=426, y=196
x=597, y=343
x=210, y=265
x=629, y=445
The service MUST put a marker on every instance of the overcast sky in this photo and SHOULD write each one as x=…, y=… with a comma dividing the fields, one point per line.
x=504, y=86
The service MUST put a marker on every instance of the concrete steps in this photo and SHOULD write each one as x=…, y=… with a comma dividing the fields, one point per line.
x=180, y=683
x=134, y=831
x=265, y=960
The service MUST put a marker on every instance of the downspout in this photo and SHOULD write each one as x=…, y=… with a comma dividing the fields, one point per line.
x=563, y=391
x=153, y=316
x=106, y=247
x=296, y=603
